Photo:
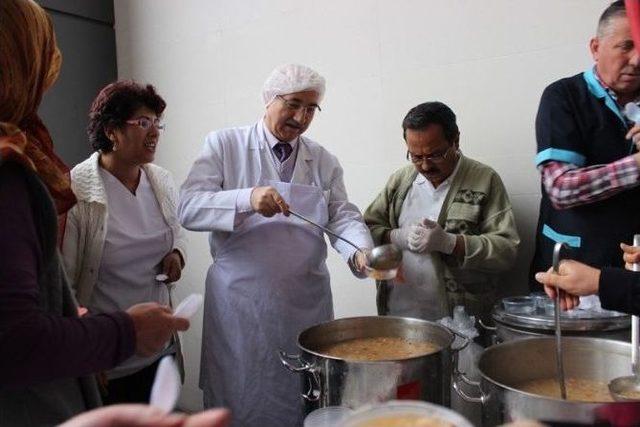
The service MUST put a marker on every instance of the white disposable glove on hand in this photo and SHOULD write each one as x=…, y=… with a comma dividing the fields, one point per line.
x=418, y=238
x=432, y=238
x=400, y=236
x=413, y=237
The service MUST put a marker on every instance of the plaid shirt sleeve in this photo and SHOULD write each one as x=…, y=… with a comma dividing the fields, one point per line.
x=569, y=186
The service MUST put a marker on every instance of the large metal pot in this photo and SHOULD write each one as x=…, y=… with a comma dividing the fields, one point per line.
x=510, y=325
x=328, y=380
x=504, y=366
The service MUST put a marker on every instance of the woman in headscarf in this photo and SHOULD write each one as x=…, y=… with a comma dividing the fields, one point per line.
x=46, y=351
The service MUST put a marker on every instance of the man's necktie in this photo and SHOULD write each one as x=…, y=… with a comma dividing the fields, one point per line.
x=283, y=151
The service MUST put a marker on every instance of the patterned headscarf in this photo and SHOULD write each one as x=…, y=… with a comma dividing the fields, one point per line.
x=29, y=64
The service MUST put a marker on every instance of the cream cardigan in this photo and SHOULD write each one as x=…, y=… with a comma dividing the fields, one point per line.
x=86, y=229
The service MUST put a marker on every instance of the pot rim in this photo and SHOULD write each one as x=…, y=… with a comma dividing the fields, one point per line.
x=540, y=322
x=450, y=339
x=523, y=341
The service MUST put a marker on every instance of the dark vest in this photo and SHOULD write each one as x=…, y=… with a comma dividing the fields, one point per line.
x=577, y=123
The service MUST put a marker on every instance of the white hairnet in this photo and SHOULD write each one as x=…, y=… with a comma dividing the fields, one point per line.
x=291, y=78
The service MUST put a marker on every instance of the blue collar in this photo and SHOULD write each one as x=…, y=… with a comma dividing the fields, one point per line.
x=600, y=92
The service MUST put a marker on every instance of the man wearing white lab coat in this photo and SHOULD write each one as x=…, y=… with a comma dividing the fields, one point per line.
x=268, y=281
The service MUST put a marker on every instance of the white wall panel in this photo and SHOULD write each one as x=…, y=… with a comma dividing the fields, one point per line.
x=489, y=60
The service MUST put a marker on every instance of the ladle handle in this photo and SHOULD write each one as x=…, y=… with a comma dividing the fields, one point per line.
x=635, y=324
x=557, y=249
x=326, y=230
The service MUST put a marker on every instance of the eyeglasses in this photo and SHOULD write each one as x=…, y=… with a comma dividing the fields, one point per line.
x=146, y=122
x=296, y=106
x=435, y=158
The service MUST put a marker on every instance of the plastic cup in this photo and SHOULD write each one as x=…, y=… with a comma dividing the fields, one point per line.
x=540, y=299
x=519, y=305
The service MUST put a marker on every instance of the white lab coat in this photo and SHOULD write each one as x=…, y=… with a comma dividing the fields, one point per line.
x=255, y=301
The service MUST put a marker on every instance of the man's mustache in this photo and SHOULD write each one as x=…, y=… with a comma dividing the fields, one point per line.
x=294, y=124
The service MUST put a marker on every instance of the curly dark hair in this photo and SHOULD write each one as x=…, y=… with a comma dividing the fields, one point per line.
x=114, y=105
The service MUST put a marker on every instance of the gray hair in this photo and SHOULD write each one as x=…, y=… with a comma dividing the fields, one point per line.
x=614, y=11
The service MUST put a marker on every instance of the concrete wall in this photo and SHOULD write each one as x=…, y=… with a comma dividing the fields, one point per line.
x=87, y=40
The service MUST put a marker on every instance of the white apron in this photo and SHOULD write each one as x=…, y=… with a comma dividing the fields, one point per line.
x=268, y=282
x=421, y=295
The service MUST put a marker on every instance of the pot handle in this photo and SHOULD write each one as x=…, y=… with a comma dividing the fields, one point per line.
x=487, y=327
x=460, y=377
x=313, y=393
x=465, y=339
x=285, y=358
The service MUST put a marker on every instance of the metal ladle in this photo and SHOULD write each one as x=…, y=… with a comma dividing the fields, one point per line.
x=556, y=311
x=628, y=388
x=383, y=257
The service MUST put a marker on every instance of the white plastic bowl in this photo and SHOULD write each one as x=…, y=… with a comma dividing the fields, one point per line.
x=329, y=416
x=382, y=413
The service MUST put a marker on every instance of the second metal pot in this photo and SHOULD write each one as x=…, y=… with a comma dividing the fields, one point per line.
x=504, y=366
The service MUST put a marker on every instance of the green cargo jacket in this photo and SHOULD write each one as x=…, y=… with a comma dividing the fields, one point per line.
x=477, y=207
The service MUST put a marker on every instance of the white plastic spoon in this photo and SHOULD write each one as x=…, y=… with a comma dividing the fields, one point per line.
x=166, y=386
x=188, y=307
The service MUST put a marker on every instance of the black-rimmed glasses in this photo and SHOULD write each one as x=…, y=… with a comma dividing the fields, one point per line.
x=435, y=158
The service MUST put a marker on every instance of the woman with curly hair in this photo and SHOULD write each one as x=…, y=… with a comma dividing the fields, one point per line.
x=123, y=232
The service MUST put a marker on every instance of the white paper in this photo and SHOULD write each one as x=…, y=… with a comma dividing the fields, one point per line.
x=188, y=307
x=166, y=386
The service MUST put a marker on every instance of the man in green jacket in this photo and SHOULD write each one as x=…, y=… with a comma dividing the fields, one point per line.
x=451, y=217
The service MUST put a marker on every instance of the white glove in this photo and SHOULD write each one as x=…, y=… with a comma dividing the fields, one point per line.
x=432, y=238
x=418, y=238
x=400, y=236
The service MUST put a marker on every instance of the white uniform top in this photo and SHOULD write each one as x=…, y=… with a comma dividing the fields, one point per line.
x=421, y=295
x=137, y=240
x=269, y=279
